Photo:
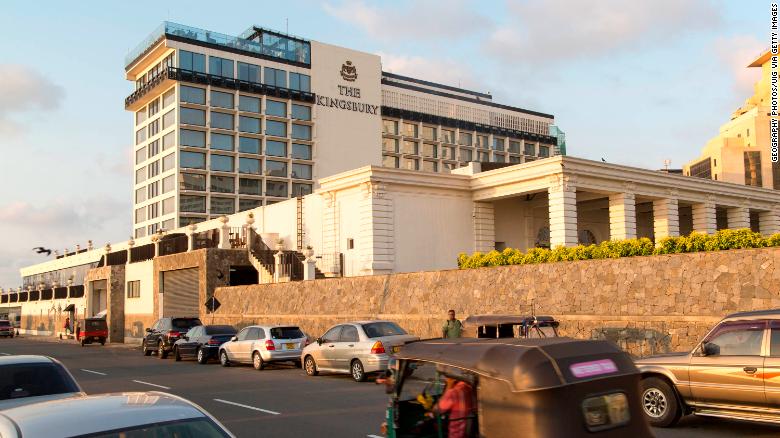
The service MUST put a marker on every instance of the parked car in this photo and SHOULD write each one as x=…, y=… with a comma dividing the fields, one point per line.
x=202, y=342
x=6, y=328
x=26, y=379
x=91, y=330
x=262, y=344
x=132, y=414
x=357, y=348
x=161, y=336
x=733, y=372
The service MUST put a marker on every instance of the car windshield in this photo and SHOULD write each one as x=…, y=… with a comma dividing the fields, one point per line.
x=381, y=329
x=220, y=330
x=5, y=323
x=420, y=378
x=191, y=428
x=95, y=324
x=185, y=323
x=34, y=379
x=286, y=333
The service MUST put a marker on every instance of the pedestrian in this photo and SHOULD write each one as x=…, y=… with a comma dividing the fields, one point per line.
x=452, y=328
x=66, y=326
x=458, y=403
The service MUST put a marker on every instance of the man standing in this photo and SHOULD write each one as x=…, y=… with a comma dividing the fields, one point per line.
x=452, y=328
x=66, y=326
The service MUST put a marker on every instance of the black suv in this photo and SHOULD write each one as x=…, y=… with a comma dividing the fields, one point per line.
x=164, y=333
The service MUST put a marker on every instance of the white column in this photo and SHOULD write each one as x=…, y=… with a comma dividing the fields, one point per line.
x=622, y=216
x=277, y=265
x=769, y=221
x=562, y=204
x=484, y=227
x=191, y=236
x=130, y=244
x=375, y=240
x=309, y=264
x=666, y=218
x=704, y=218
x=224, y=233
x=738, y=217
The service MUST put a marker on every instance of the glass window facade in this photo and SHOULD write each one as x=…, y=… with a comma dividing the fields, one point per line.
x=410, y=130
x=429, y=133
x=192, y=95
x=169, y=140
x=192, y=160
x=275, y=77
x=544, y=151
x=221, y=163
x=300, y=82
x=275, y=168
x=301, y=151
x=168, y=162
x=192, y=61
x=465, y=139
x=301, y=171
x=390, y=127
x=409, y=147
x=248, y=72
x=221, y=100
x=430, y=150
x=249, y=104
x=248, y=204
x=277, y=129
x=448, y=136
x=168, y=183
x=193, y=181
x=222, y=184
x=192, y=204
x=249, y=165
x=196, y=139
x=301, y=112
x=220, y=66
x=275, y=148
x=250, y=186
x=249, y=145
x=222, y=120
x=301, y=132
x=191, y=116
x=390, y=145
x=168, y=119
x=301, y=189
x=276, y=188
x=222, y=142
x=275, y=108
x=389, y=161
x=249, y=124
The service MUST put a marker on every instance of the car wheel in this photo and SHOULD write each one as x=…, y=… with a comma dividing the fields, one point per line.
x=357, y=371
x=161, y=353
x=147, y=351
x=659, y=402
x=202, y=356
x=310, y=366
x=176, y=354
x=257, y=361
x=82, y=342
x=223, y=359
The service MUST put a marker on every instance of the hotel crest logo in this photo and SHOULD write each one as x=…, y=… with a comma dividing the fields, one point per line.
x=348, y=72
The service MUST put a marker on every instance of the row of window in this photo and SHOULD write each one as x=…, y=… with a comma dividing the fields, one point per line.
x=221, y=99
x=226, y=163
x=227, y=205
x=150, y=150
x=167, y=224
x=227, y=184
x=481, y=141
x=433, y=150
x=154, y=106
x=413, y=163
x=155, y=210
x=244, y=71
x=248, y=145
x=252, y=125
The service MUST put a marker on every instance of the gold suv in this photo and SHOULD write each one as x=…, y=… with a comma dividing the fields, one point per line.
x=733, y=373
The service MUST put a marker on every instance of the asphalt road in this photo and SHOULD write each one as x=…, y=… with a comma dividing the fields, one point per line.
x=280, y=401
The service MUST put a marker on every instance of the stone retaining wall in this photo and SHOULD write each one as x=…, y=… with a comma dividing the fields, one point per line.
x=645, y=304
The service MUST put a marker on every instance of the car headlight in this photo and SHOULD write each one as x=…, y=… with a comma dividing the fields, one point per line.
x=605, y=411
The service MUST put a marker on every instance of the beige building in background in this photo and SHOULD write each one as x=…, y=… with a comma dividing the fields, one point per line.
x=741, y=152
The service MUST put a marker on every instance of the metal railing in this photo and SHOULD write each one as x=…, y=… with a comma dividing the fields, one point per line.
x=142, y=253
x=238, y=237
x=173, y=244
x=206, y=239
x=290, y=266
x=116, y=258
x=331, y=263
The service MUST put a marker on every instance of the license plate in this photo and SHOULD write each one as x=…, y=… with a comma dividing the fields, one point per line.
x=95, y=338
x=396, y=348
x=290, y=346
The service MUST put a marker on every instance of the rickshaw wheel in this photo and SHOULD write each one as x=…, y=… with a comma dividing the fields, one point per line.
x=357, y=371
x=659, y=402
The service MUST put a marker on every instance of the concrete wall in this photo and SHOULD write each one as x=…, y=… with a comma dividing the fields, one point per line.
x=139, y=311
x=645, y=304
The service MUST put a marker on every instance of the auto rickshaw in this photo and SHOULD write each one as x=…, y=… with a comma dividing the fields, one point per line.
x=91, y=330
x=510, y=326
x=552, y=387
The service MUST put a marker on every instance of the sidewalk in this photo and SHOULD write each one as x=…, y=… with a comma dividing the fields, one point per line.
x=133, y=344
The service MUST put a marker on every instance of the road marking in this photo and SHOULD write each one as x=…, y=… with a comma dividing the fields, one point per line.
x=150, y=384
x=6, y=354
x=246, y=406
x=374, y=436
x=94, y=372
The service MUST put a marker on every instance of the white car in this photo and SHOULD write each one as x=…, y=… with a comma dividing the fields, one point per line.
x=127, y=415
x=261, y=344
x=26, y=379
x=356, y=348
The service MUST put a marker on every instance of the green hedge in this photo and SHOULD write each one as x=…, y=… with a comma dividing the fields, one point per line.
x=695, y=242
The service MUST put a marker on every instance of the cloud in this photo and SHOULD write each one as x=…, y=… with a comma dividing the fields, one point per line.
x=444, y=71
x=736, y=52
x=540, y=32
x=24, y=90
x=419, y=20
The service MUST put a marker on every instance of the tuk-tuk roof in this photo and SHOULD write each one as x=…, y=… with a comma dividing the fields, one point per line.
x=525, y=363
x=480, y=320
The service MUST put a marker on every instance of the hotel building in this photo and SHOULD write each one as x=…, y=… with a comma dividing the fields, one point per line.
x=223, y=124
x=741, y=152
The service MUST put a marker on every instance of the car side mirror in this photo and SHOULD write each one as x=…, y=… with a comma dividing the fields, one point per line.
x=234, y=339
x=319, y=341
x=709, y=349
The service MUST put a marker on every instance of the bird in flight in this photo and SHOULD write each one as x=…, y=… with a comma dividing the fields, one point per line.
x=603, y=160
x=42, y=250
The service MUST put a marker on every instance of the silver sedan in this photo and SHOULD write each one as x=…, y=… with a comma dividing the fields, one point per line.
x=261, y=344
x=357, y=348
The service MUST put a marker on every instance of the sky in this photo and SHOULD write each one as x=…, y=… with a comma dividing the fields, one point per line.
x=634, y=83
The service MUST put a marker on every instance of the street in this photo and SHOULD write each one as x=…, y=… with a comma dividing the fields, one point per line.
x=280, y=401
